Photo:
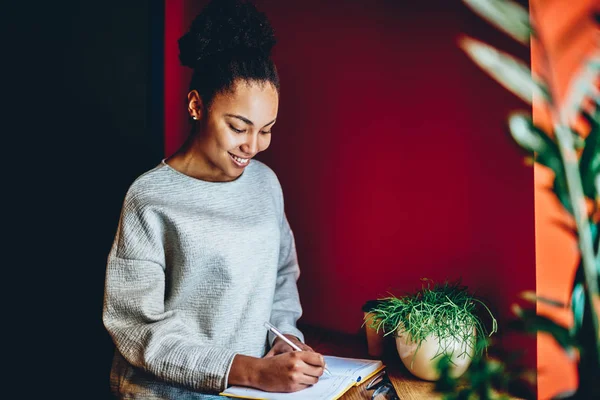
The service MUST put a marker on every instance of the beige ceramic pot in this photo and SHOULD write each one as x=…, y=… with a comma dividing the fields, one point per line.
x=422, y=363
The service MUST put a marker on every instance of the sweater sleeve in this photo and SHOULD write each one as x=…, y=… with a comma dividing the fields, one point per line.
x=145, y=334
x=286, y=303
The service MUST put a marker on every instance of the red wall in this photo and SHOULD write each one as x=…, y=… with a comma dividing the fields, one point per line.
x=391, y=150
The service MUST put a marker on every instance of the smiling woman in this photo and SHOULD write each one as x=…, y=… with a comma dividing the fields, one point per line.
x=224, y=138
x=204, y=254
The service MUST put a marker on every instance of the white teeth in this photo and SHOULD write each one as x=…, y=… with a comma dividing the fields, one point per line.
x=240, y=160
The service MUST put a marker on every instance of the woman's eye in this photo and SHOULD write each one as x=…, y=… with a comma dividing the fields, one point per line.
x=236, y=130
x=265, y=132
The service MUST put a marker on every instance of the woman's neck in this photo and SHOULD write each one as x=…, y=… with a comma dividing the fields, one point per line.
x=190, y=160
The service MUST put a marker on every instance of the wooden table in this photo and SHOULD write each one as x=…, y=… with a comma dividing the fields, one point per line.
x=355, y=346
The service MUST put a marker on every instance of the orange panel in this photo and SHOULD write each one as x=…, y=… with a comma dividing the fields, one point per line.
x=567, y=34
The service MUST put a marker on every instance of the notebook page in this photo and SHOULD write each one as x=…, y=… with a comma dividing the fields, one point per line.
x=352, y=367
x=326, y=389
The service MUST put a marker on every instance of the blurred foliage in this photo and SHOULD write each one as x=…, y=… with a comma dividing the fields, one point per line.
x=487, y=378
x=575, y=161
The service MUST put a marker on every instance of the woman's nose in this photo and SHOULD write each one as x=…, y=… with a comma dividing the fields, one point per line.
x=250, y=146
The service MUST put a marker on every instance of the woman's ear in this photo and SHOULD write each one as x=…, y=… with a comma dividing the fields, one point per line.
x=195, y=106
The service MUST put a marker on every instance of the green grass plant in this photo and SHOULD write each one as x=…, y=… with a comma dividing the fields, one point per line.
x=448, y=311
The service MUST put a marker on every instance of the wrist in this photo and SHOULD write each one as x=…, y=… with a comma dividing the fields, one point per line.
x=245, y=371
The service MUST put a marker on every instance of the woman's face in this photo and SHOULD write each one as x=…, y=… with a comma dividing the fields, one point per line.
x=236, y=128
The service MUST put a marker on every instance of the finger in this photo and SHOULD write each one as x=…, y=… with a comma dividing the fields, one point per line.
x=312, y=371
x=271, y=353
x=307, y=348
x=301, y=345
x=312, y=358
x=308, y=379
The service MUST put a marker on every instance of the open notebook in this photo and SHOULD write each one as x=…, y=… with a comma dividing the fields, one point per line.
x=346, y=373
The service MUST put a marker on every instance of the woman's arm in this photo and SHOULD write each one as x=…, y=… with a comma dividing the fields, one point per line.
x=148, y=336
x=286, y=308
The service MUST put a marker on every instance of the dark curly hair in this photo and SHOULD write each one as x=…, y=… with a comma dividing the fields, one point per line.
x=228, y=40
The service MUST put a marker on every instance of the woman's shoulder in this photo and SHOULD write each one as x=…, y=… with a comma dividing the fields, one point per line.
x=149, y=185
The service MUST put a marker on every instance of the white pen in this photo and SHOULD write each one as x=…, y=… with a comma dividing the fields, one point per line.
x=288, y=341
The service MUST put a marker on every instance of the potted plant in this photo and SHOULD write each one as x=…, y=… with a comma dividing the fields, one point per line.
x=437, y=320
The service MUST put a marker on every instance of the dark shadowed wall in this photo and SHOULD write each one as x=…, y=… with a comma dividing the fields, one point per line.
x=111, y=107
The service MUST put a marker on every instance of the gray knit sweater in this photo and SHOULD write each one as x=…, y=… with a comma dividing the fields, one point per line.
x=195, y=270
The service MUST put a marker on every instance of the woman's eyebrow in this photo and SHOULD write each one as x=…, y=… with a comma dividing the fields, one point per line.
x=246, y=120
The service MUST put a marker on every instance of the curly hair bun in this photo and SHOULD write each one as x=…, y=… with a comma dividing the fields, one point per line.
x=226, y=27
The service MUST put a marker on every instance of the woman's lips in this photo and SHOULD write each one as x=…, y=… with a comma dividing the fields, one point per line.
x=239, y=161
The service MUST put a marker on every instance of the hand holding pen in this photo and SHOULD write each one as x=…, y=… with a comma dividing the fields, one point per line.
x=289, y=342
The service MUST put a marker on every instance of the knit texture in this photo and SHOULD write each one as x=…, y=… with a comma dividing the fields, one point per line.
x=195, y=270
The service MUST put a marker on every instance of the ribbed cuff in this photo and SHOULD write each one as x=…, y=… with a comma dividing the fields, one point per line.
x=213, y=369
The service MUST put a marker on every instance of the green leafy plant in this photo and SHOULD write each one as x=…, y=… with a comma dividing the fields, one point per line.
x=575, y=179
x=445, y=310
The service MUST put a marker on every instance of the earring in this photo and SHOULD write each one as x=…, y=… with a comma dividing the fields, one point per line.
x=195, y=117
